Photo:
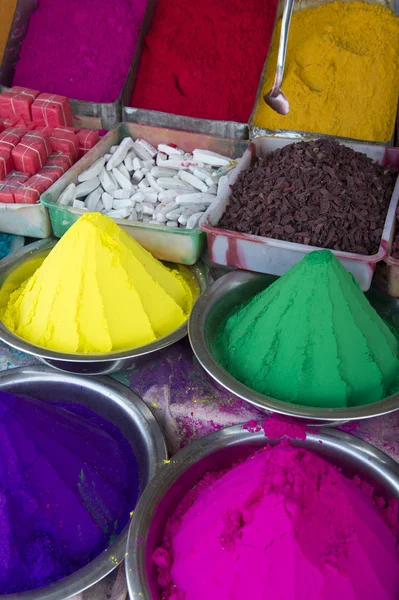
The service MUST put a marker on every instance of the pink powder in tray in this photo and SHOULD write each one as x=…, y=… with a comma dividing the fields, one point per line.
x=283, y=524
x=80, y=49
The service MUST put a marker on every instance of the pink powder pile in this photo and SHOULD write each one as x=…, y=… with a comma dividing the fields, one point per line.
x=82, y=50
x=283, y=524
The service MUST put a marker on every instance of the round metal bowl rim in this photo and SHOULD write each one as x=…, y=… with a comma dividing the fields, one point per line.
x=44, y=353
x=200, y=449
x=72, y=584
x=19, y=343
x=196, y=333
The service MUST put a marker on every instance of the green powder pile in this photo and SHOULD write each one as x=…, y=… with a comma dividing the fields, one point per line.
x=311, y=338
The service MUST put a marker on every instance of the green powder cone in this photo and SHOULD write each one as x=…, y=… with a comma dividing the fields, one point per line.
x=311, y=338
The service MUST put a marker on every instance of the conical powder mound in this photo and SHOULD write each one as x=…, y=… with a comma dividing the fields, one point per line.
x=311, y=338
x=98, y=291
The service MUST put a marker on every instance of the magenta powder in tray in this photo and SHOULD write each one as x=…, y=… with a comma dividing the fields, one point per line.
x=68, y=482
x=80, y=49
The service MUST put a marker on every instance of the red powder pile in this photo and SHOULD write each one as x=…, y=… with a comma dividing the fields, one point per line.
x=80, y=49
x=204, y=59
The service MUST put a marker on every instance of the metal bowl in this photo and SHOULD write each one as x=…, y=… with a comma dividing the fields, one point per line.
x=239, y=286
x=124, y=409
x=17, y=268
x=218, y=451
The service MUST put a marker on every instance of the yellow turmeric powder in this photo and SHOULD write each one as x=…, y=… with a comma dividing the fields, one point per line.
x=342, y=72
x=7, y=9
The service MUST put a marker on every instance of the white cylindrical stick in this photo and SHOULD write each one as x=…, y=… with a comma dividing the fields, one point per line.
x=193, y=180
x=197, y=198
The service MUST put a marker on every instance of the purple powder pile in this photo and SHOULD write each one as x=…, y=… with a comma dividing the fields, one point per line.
x=68, y=481
x=82, y=50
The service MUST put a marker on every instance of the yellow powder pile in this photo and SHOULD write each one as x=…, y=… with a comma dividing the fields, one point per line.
x=342, y=72
x=98, y=291
x=7, y=9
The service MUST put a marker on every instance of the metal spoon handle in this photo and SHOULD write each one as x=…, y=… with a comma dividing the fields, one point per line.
x=282, y=49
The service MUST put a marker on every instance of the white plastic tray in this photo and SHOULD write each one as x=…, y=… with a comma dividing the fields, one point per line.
x=29, y=220
x=275, y=257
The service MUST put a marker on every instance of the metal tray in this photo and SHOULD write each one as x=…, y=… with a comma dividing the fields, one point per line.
x=224, y=129
x=20, y=266
x=237, y=287
x=90, y=115
x=255, y=131
x=218, y=451
x=166, y=243
x=113, y=401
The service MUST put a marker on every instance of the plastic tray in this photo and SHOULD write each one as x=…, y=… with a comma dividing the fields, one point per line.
x=387, y=272
x=275, y=257
x=30, y=220
x=170, y=244
x=292, y=135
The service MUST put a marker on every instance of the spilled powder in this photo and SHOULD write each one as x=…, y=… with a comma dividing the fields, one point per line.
x=82, y=50
x=99, y=291
x=311, y=338
x=68, y=482
x=286, y=524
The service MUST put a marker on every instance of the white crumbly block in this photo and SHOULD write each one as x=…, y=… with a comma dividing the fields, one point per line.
x=93, y=171
x=86, y=187
x=170, y=150
x=211, y=158
x=68, y=195
x=197, y=198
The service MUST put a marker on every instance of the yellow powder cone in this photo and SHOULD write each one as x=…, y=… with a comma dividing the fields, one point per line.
x=98, y=291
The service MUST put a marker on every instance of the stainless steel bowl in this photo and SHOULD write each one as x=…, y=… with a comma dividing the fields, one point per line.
x=239, y=286
x=218, y=451
x=21, y=265
x=128, y=412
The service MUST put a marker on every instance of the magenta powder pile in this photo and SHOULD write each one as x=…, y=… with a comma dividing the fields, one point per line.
x=284, y=524
x=80, y=49
x=68, y=482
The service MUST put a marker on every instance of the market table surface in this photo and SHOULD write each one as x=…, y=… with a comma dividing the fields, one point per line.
x=188, y=406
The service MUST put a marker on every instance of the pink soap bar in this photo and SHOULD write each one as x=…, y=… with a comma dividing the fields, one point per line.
x=282, y=524
x=17, y=103
x=60, y=159
x=6, y=164
x=87, y=140
x=12, y=183
x=65, y=142
x=34, y=187
x=51, y=110
x=11, y=137
x=51, y=172
x=30, y=154
x=41, y=135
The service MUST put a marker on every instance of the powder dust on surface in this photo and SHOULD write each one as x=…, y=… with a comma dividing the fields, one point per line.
x=205, y=59
x=69, y=481
x=7, y=9
x=342, y=72
x=82, y=50
x=98, y=291
x=282, y=524
x=311, y=338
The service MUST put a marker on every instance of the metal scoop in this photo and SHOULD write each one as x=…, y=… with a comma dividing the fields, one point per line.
x=275, y=98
